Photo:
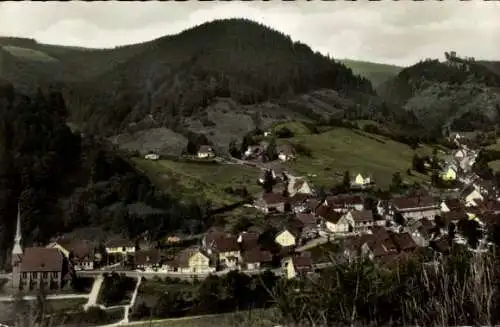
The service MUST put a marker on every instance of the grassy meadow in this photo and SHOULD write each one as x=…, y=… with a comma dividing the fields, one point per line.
x=195, y=180
x=340, y=149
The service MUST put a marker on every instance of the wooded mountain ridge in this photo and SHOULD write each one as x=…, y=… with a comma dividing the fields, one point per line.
x=235, y=70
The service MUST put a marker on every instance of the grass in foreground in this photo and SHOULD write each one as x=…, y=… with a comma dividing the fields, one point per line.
x=343, y=149
x=192, y=180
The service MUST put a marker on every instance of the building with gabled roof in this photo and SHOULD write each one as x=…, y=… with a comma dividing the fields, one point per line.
x=35, y=267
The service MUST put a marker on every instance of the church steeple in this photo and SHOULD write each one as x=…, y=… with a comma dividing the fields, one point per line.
x=17, y=249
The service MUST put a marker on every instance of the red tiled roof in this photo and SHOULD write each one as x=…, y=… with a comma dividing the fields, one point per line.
x=344, y=200
x=362, y=216
x=298, y=198
x=257, y=255
x=249, y=240
x=226, y=244
x=145, y=257
x=205, y=149
x=302, y=261
x=273, y=198
x=41, y=259
x=404, y=241
x=306, y=218
x=414, y=203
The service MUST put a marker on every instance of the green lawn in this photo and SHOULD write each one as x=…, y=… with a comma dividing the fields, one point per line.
x=342, y=149
x=495, y=165
x=192, y=180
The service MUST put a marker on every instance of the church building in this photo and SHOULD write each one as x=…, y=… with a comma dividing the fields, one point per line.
x=35, y=267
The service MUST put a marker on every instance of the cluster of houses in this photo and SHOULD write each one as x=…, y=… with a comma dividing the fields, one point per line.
x=385, y=230
x=459, y=165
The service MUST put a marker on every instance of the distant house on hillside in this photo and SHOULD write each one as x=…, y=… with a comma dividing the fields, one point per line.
x=285, y=152
x=361, y=182
x=450, y=172
x=205, y=151
x=152, y=156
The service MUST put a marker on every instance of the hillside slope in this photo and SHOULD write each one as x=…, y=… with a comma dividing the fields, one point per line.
x=180, y=76
x=460, y=93
x=375, y=72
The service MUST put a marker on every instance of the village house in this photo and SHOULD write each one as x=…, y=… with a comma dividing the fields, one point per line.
x=81, y=254
x=375, y=247
x=149, y=260
x=286, y=152
x=361, y=182
x=35, y=267
x=248, y=240
x=344, y=203
x=486, y=188
x=471, y=195
x=270, y=202
x=450, y=172
x=256, y=259
x=361, y=221
x=120, y=247
x=404, y=242
x=205, y=151
x=337, y=223
x=152, y=156
x=450, y=204
x=288, y=237
x=254, y=151
x=298, y=202
x=415, y=207
x=193, y=260
x=298, y=186
x=421, y=232
x=297, y=265
x=225, y=247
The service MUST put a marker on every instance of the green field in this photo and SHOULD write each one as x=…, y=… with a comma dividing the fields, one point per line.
x=254, y=318
x=192, y=180
x=342, y=149
x=29, y=54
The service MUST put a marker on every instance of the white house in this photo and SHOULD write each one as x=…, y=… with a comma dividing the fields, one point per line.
x=470, y=194
x=152, y=156
x=336, y=223
x=205, y=151
x=285, y=152
x=460, y=154
x=298, y=186
x=361, y=181
x=286, y=238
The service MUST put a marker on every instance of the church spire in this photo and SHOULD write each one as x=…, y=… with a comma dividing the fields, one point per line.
x=17, y=249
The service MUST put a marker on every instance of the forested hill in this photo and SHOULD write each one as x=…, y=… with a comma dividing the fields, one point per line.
x=66, y=182
x=459, y=93
x=180, y=75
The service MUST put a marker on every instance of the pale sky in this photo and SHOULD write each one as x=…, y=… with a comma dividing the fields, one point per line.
x=398, y=32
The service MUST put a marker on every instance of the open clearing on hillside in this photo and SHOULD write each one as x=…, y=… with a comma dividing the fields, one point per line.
x=342, y=149
x=28, y=54
x=254, y=318
x=195, y=181
x=495, y=165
